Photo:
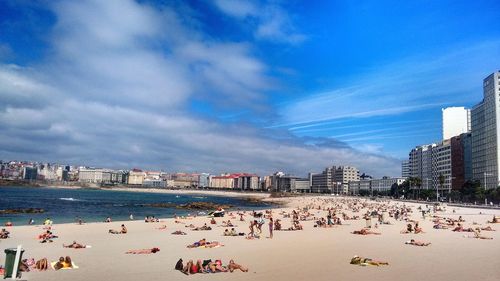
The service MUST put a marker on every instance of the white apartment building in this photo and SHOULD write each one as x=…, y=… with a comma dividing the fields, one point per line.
x=421, y=164
x=485, y=119
x=405, y=169
x=90, y=175
x=441, y=165
x=456, y=121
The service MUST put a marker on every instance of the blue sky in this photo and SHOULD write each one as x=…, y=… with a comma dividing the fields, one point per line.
x=256, y=86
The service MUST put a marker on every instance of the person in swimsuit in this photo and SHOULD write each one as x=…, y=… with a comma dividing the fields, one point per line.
x=417, y=243
x=143, y=251
x=367, y=261
x=75, y=245
x=232, y=266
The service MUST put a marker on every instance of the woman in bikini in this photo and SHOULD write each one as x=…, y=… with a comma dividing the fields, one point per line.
x=367, y=261
x=232, y=266
x=75, y=245
x=143, y=251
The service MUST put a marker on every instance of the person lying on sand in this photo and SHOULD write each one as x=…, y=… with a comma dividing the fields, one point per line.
x=204, y=243
x=366, y=261
x=143, y=251
x=477, y=235
x=460, y=228
x=417, y=243
x=365, y=231
x=494, y=220
x=191, y=268
x=163, y=227
x=4, y=234
x=122, y=231
x=46, y=237
x=232, y=266
x=178, y=232
x=63, y=263
x=488, y=228
x=75, y=245
x=204, y=227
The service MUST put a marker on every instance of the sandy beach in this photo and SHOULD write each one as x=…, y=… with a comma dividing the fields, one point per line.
x=313, y=253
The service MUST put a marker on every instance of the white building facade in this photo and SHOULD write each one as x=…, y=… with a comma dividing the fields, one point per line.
x=456, y=121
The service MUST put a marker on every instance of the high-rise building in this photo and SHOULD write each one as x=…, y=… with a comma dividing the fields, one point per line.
x=405, y=169
x=485, y=125
x=421, y=164
x=461, y=160
x=441, y=166
x=456, y=121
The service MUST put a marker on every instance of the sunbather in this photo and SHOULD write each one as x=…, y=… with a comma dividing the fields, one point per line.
x=143, y=251
x=367, y=261
x=122, y=231
x=178, y=232
x=417, y=243
x=4, y=234
x=75, y=245
x=232, y=266
x=365, y=231
x=63, y=263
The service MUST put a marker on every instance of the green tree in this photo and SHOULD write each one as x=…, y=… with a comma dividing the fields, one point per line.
x=441, y=181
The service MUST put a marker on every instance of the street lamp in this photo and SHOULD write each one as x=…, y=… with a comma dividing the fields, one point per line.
x=485, y=199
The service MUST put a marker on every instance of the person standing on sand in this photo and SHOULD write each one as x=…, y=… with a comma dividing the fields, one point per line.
x=271, y=224
x=368, y=220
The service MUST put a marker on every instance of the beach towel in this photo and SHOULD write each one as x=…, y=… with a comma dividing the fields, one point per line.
x=74, y=266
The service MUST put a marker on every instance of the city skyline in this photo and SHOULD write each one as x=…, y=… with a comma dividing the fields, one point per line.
x=259, y=86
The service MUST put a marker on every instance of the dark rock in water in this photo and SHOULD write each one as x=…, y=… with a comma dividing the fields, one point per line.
x=189, y=206
x=203, y=206
x=22, y=211
x=160, y=205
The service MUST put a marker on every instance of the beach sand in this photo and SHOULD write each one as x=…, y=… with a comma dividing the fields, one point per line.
x=311, y=254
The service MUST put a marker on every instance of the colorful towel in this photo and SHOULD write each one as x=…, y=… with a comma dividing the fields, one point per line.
x=74, y=266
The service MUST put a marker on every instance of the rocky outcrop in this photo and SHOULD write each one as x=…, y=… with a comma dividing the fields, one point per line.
x=189, y=206
x=22, y=211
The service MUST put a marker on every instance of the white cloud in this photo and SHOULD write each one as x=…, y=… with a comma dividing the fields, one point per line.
x=115, y=91
x=239, y=9
x=273, y=22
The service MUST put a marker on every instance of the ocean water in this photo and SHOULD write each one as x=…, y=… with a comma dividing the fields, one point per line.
x=65, y=205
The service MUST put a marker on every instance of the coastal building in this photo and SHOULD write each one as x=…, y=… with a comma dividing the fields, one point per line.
x=420, y=161
x=204, y=180
x=242, y=181
x=356, y=186
x=441, y=166
x=136, y=177
x=461, y=160
x=405, y=169
x=154, y=183
x=30, y=173
x=95, y=176
x=342, y=176
x=456, y=121
x=185, y=179
x=485, y=125
x=334, y=179
x=385, y=183
x=288, y=183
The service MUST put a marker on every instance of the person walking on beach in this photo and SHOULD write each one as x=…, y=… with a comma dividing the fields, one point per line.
x=271, y=224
